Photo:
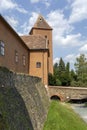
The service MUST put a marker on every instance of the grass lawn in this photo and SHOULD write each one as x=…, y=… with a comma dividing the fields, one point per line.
x=62, y=117
x=86, y=104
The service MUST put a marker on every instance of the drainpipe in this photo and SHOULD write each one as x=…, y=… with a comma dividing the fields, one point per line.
x=43, y=66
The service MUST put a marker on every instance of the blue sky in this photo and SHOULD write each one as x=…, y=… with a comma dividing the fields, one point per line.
x=68, y=19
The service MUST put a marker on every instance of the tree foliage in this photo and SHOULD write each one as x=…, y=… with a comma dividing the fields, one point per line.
x=81, y=70
x=63, y=76
x=61, y=73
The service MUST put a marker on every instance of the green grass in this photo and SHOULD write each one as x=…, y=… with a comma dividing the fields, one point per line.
x=86, y=104
x=62, y=117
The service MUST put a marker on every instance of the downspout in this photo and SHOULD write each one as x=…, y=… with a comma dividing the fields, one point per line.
x=43, y=65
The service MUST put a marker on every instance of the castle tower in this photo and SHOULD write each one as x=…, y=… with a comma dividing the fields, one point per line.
x=41, y=27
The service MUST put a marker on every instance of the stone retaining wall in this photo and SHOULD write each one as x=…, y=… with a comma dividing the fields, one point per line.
x=33, y=94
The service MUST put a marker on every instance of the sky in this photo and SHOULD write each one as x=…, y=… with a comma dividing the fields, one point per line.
x=68, y=18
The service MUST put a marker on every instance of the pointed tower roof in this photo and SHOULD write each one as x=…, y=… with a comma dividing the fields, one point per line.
x=41, y=24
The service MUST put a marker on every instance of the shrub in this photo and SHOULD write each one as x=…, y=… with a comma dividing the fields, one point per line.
x=58, y=82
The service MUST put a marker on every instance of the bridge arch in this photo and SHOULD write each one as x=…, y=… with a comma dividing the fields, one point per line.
x=55, y=97
x=67, y=93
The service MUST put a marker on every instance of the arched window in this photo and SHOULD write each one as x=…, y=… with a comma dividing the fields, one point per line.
x=2, y=48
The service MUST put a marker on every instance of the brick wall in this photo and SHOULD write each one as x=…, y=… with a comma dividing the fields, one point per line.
x=13, y=44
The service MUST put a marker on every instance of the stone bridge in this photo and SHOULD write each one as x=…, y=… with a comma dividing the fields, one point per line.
x=67, y=93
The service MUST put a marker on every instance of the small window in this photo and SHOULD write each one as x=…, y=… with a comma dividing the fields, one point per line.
x=16, y=56
x=2, y=49
x=24, y=60
x=46, y=36
x=38, y=65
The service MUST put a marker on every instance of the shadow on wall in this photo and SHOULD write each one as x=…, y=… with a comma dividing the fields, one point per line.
x=13, y=110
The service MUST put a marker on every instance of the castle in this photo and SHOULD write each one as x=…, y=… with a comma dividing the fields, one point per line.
x=31, y=54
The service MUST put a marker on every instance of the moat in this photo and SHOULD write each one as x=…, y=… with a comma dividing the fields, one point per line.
x=81, y=109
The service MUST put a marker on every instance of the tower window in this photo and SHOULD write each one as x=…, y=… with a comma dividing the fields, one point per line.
x=38, y=64
x=2, y=49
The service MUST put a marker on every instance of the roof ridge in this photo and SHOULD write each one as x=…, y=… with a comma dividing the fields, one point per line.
x=37, y=35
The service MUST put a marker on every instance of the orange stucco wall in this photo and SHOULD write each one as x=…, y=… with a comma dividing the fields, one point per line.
x=48, y=33
x=42, y=72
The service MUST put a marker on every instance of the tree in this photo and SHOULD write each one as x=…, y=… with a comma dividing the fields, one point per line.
x=67, y=74
x=81, y=70
x=51, y=79
x=56, y=74
x=73, y=75
x=61, y=65
x=62, y=73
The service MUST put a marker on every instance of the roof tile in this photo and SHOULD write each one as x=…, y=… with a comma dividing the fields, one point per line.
x=41, y=23
x=34, y=41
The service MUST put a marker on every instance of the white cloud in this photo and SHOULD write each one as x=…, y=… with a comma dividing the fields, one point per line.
x=12, y=21
x=70, y=58
x=21, y=10
x=79, y=10
x=56, y=60
x=46, y=3
x=42, y=1
x=9, y=4
x=83, y=48
x=28, y=25
x=59, y=23
x=71, y=40
x=33, y=18
x=62, y=30
x=34, y=1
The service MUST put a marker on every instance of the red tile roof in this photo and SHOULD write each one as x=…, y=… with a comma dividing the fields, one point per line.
x=34, y=41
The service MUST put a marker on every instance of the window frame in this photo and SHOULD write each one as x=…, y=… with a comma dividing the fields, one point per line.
x=38, y=64
x=2, y=48
x=16, y=57
x=24, y=60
